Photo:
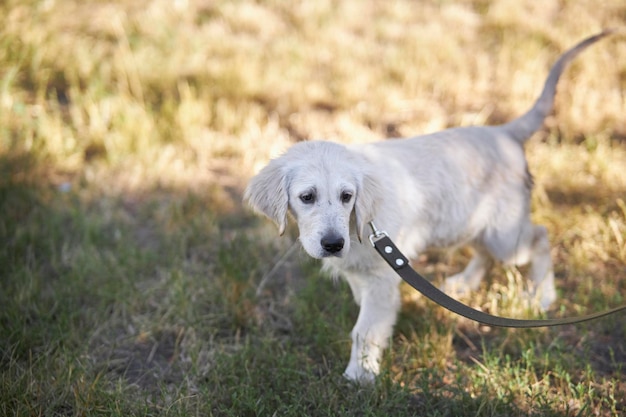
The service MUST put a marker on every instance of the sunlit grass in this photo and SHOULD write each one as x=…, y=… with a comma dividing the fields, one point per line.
x=132, y=282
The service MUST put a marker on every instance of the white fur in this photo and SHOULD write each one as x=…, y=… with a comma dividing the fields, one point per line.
x=463, y=186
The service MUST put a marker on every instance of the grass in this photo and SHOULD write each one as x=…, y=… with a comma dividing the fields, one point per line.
x=132, y=282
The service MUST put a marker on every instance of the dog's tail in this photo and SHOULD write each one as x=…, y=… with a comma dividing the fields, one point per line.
x=524, y=126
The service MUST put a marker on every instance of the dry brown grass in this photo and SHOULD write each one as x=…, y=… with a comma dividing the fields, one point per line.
x=183, y=83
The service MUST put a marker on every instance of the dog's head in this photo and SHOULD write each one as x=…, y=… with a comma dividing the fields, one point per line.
x=324, y=185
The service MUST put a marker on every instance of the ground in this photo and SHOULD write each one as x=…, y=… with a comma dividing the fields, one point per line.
x=134, y=282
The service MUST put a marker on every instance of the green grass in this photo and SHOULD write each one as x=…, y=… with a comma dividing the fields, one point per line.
x=132, y=282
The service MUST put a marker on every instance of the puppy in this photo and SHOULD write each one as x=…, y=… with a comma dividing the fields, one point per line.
x=461, y=186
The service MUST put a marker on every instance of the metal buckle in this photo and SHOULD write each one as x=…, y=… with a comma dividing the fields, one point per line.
x=376, y=234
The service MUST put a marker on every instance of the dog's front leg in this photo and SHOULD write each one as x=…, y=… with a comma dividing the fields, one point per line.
x=379, y=297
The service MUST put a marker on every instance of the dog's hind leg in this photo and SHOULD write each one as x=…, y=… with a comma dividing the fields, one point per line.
x=541, y=273
x=528, y=244
x=470, y=278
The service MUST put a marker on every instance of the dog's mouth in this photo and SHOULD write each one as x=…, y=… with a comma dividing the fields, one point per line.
x=327, y=254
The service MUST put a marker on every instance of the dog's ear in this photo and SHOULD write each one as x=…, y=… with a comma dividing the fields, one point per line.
x=267, y=193
x=368, y=196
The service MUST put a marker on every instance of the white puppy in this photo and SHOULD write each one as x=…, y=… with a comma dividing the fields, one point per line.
x=462, y=186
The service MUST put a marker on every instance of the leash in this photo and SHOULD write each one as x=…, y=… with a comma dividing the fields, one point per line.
x=390, y=253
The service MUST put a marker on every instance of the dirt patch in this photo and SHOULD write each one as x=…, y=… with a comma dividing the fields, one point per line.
x=149, y=361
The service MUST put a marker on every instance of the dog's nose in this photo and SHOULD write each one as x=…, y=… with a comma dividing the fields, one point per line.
x=332, y=244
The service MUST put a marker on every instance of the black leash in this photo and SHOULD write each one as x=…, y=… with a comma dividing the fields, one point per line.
x=388, y=250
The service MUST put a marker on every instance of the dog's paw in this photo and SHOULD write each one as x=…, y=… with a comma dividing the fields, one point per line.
x=457, y=286
x=547, y=296
x=359, y=375
x=544, y=293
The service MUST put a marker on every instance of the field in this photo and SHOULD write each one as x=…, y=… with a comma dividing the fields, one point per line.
x=133, y=282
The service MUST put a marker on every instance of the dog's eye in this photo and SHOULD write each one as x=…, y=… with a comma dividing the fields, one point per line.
x=346, y=197
x=307, y=198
